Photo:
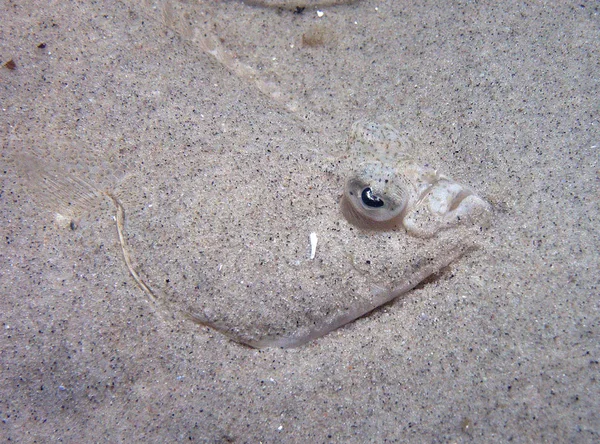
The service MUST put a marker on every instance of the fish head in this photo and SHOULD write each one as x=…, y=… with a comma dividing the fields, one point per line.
x=389, y=190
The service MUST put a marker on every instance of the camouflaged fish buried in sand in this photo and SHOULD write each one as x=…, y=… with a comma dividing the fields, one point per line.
x=281, y=260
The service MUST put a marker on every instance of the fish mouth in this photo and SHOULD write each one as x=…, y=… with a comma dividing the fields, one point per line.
x=451, y=204
x=458, y=199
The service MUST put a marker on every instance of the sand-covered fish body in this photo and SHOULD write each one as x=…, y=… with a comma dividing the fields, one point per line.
x=228, y=237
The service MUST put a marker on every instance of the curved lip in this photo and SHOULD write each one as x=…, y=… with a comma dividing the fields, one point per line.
x=456, y=200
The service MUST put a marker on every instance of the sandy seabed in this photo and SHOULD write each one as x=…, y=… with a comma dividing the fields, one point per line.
x=502, y=346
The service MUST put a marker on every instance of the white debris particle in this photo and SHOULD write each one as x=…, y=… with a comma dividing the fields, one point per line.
x=313, y=244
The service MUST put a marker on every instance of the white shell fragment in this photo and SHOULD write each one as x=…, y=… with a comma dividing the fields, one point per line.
x=313, y=244
x=388, y=190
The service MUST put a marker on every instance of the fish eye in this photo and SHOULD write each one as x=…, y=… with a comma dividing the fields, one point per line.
x=370, y=199
x=375, y=197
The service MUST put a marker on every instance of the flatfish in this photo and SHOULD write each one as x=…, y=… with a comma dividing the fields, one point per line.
x=276, y=246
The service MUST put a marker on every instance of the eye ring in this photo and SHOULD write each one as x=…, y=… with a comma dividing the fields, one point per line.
x=371, y=200
x=375, y=197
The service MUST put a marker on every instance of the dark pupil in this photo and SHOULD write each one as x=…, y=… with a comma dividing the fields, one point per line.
x=370, y=200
